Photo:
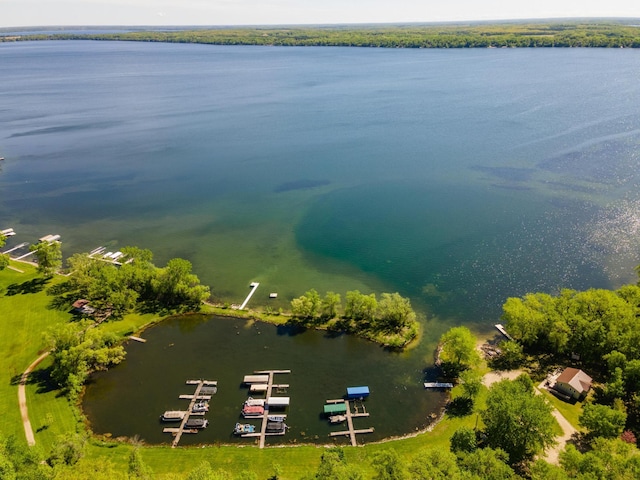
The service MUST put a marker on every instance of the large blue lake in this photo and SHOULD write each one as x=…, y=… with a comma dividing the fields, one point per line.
x=457, y=178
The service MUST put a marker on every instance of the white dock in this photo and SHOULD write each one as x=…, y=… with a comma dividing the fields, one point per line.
x=254, y=286
x=137, y=339
x=16, y=247
x=351, y=432
x=7, y=232
x=24, y=256
x=437, y=385
x=503, y=331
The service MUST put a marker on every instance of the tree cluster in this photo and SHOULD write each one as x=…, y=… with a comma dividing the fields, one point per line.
x=390, y=319
x=77, y=350
x=137, y=282
x=4, y=258
x=601, y=328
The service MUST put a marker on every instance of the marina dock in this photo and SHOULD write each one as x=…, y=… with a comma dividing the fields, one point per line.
x=351, y=431
x=177, y=432
x=254, y=286
x=259, y=378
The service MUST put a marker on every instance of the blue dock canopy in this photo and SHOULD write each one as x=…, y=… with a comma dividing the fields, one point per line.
x=357, y=392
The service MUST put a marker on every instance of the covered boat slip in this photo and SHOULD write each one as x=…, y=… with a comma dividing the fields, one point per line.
x=357, y=392
x=335, y=408
x=278, y=401
x=249, y=379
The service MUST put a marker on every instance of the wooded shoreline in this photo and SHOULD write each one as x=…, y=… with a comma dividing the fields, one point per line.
x=604, y=33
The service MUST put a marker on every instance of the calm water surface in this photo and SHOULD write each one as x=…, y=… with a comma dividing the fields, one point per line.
x=457, y=178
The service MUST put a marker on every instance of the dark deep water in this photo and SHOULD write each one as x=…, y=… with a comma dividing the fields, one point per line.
x=457, y=178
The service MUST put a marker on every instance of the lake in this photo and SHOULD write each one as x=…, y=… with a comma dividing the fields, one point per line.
x=457, y=178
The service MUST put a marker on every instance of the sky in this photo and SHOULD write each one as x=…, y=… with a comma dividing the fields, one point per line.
x=22, y=13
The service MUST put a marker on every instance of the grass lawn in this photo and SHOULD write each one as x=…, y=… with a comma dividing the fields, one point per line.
x=569, y=411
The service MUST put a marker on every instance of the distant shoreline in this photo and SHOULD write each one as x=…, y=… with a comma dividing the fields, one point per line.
x=559, y=33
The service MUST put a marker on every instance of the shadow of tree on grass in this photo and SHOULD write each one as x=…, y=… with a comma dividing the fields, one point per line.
x=31, y=286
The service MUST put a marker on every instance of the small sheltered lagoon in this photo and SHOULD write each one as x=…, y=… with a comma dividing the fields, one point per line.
x=126, y=400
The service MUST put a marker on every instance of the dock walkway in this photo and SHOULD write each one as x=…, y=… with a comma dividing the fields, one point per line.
x=262, y=434
x=254, y=287
x=351, y=431
x=193, y=399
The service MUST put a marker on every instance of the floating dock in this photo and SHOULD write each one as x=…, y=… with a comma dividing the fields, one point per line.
x=254, y=286
x=7, y=232
x=183, y=428
x=344, y=406
x=437, y=385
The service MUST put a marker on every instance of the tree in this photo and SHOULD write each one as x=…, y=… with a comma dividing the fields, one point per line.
x=518, y=421
x=388, y=466
x=435, y=464
x=77, y=351
x=175, y=286
x=607, y=459
x=67, y=450
x=458, y=346
x=464, y=440
x=48, y=256
x=330, y=305
x=333, y=466
x=137, y=467
x=4, y=257
x=487, y=464
x=360, y=307
x=306, y=306
x=394, y=312
x=602, y=421
x=471, y=383
x=511, y=356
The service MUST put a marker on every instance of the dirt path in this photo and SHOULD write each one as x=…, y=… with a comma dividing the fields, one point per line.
x=495, y=376
x=22, y=400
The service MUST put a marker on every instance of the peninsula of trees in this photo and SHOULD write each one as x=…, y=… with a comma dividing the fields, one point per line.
x=565, y=33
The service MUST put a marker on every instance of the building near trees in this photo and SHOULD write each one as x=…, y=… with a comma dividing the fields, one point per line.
x=573, y=383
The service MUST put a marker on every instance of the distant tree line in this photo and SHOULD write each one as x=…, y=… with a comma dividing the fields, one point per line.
x=389, y=320
x=601, y=34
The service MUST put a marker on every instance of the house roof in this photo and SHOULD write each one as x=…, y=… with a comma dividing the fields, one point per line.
x=579, y=380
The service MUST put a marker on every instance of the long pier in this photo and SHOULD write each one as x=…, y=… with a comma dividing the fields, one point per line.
x=24, y=244
x=265, y=417
x=193, y=399
x=254, y=287
x=351, y=431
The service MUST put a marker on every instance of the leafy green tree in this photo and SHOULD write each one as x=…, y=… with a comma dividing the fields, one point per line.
x=511, y=356
x=360, y=307
x=608, y=459
x=394, y=312
x=48, y=256
x=4, y=258
x=333, y=466
x=137, y=467
x=77, y=351
x=388, y=466
x=487, y=464
x=306, y=306
x=67, y=450
x=464, y=440
x=518, y=421
x=471, y=383
x=175, y=286
x=602, y=421
x=330, y=305
x=458, y=346
x=541, y=470
x=435, y=464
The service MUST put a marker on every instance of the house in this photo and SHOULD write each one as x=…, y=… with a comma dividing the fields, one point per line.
x=573, y=383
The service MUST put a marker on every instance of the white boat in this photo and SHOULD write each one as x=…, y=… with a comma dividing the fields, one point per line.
x=242, y=428
x=253, y=402
x=173, y=415
x=200, y=407
x=337, y=418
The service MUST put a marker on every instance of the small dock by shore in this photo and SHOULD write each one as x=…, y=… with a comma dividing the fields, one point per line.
x=351, y=431
x=193, y=398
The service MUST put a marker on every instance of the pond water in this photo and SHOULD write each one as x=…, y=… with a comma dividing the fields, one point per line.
x=127, y=400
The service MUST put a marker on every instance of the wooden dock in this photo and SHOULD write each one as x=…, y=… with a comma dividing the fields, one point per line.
x=177, y=432
x=262, y=434
x=503, y=331
x=351, y=431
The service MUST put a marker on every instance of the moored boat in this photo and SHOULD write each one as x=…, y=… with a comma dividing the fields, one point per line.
x=242, y=428
x=252, y=411
x=172, y=416
x=197, y=423
x=200, y=407
x=276, y=427
x=337, y=418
